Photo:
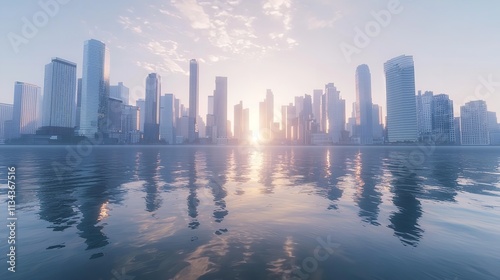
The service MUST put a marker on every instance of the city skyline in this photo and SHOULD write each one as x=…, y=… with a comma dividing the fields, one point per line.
x=317, y=64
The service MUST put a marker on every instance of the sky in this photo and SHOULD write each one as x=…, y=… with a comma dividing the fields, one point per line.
x=289, y=46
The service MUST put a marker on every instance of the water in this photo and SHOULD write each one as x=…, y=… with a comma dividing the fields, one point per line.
x=254, y=213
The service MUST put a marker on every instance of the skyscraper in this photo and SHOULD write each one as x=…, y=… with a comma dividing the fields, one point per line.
x=130, y=124
x=152, y=109
x=401, y=101
x=220, y=106
x=167, y=122
x=269, y=109
x=364, y=104
x=266, y=117
x=141, y=104
x=378, y=129
x=317, y=96
x=246, y=124
x=5, y=115
x=95, y=89
x=443, y=120
x=193, y=100
x=424, y=114
x=238, y=121
x=26, y=110
x=474, y=123
x=59, y=94
x=335, y=107
x=78, y=103
x=210, y=131
x=120, y=92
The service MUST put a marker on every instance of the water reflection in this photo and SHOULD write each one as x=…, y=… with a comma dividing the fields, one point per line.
x=149, y=162
x=404, y=222
x=367, y=177
x=156, y=185
x=217, y=159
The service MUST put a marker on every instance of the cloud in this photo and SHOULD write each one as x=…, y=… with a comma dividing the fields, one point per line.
x=281, y=10
x=194, y=12
x=214, y=31
x=315, y=23
x=127, y=23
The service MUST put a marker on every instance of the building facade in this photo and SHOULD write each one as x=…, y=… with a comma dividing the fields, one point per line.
x=121, y=92
x=152, y=109
x=401, y=102
x=167, y=119
x=59, y=107
x=474, y=123
x=220, y=106
x=95, y=89
x=5, y=115
x=193, y=100
x=26, y=114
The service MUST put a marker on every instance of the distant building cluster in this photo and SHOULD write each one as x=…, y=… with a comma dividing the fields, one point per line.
x=89, y=107
x=410, y=118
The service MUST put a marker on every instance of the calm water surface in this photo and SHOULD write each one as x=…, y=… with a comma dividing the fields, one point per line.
x=254, y=213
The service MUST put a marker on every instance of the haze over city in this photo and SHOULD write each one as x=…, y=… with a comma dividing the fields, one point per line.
x=291, y=47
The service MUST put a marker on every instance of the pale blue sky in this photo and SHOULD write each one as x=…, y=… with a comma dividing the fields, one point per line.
x=289, y=46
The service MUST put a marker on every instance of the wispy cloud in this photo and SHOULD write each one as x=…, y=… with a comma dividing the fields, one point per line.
x=193, y=12
x=316, y=23
x=281, y=10
x=128, y=24
x=211, y=31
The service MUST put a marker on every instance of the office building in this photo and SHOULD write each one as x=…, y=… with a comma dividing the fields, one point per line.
x=167, y=119
x=443, y=120
x=120, y=92
x=220, y=106
x=364, y=105
x=335, y=107
x=26, y=113
x=5, y=115
x=474, y=123
x=59, y=107
x=95, y=89
x=193, y=100
x=401, y=101
x=152, y=109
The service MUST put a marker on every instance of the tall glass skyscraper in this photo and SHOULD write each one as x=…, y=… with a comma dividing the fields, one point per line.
x=95, y=89
x=27, y=109
x=220, y=106
x=443, y=120
x=167, y=118
x=335, y=107
x=121, y=92
x=401, y=101
x=364, y=104
x=194, y=96
x=59, y=94
x=5, y=115
x=152, y=109
x=474, y=123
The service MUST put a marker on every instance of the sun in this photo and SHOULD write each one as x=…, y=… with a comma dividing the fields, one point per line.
x=255, y=138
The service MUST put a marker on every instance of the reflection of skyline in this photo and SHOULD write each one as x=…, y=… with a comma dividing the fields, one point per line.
x=217, y=160
x=207, y=180
x=368, y=172
x=404, y=221
x=149, y=172
x=192, y=200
